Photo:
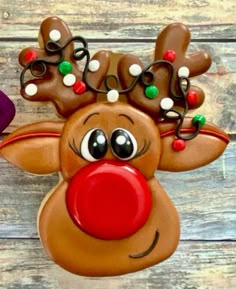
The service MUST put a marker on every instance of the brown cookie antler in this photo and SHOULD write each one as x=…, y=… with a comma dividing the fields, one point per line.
x=56, y=76
x=167, y=77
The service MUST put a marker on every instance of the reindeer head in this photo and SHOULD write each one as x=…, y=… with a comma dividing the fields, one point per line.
x=109, y=215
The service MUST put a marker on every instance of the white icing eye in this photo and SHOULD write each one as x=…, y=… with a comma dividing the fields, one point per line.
x=94, y=65
x=69, y=79
x=112, y=95
x=94, y=145
x=55, y=35
x=31, y=89
x=166, y=103
x=183, y=71
x=123, y=144
x=135, y=70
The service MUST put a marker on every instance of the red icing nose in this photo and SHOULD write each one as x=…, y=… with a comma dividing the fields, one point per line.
x=109, y=200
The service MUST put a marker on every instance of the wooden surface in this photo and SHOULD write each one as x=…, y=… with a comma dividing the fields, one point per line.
x=205, y=198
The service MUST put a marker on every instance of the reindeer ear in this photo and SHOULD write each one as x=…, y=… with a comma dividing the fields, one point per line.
x=34, y=148
x=208, y=145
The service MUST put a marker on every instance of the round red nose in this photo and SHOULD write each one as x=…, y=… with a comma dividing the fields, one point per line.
x=109, y=200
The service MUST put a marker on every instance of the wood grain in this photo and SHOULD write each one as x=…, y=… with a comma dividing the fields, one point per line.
x=195, y=265
x=205, y=198
x=140, y=19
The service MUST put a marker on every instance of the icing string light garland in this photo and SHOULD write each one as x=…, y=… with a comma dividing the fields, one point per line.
x=38, y=68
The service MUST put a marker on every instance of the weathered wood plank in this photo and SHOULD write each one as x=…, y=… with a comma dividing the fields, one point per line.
x=205, y=199
x=210, y=19
x=206, y=265
x=219, y=83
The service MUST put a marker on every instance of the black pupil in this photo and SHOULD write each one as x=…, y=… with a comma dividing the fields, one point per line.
x=97, y=144
x=122, y=144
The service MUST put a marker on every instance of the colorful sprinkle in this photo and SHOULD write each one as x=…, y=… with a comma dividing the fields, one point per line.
x=69, y=79
x=151, y=91
x=169, y=55
x=31, y=89
x=31, y=55
x=183, y=71
x=166, y=103
x=79, y=87
x=113, y=95
x=94, y=65
x=192, y=97
x=178, y=145
x=199, y=118
x=135, y=70
x=65, y=67
x=55, y=35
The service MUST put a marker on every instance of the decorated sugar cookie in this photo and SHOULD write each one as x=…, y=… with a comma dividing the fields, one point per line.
x=121, y=121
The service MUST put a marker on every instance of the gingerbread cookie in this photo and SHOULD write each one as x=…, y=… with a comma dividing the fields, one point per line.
x=109, y=215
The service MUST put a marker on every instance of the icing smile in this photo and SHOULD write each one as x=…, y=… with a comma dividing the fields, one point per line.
x=149, y=250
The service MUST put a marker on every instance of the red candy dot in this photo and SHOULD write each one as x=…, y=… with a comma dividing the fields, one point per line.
x=192, y=97
x=79, y=87
x=178, y=145
x=31, y=55
x=169, y=55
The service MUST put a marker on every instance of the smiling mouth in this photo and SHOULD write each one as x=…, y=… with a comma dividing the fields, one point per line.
x=149, y=250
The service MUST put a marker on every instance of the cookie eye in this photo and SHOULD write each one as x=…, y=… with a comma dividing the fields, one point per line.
x=94, y=145
x=124, y=144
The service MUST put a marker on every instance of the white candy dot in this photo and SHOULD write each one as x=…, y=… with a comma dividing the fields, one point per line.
x=69, y=79
x=135, y=69
x=112, y=95
x=55, y=35
x=31, y=89
x=166, y=103
x=183, y=71
x=94, y=65
x=172, y=114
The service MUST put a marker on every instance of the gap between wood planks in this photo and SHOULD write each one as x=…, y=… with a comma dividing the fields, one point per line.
x=118, y=40
x=230, y=240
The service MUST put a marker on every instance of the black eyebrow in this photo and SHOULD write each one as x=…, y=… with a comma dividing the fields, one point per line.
x=130, y=119
x=88, y=117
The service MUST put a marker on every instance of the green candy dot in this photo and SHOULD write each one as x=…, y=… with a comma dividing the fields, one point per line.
x=151, y=91
x=199, y=118
x=65, y=67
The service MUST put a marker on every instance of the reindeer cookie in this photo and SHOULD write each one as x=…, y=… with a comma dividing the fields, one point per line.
x=108, y=215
